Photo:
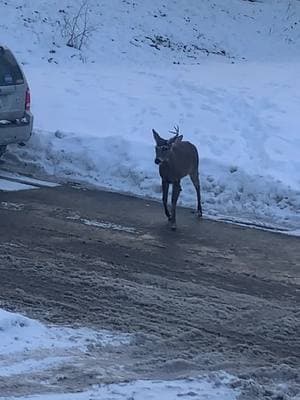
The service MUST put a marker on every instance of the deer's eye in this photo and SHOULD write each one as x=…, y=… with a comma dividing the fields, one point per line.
x=164, y=148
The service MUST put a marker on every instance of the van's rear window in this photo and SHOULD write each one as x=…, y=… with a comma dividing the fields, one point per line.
x=10, y=73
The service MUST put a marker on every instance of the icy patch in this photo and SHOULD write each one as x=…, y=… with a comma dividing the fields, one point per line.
x=185, y=389
x=14, y=182
x=10, y=186
x=25, y=179
x=103, y=224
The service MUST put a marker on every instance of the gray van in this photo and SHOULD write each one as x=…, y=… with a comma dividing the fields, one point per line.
x=16, y=119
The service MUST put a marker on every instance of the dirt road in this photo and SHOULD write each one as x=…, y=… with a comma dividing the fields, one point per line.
x=208, y=297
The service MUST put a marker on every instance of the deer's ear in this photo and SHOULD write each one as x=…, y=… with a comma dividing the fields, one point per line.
x=179, y=138
x=156, y=136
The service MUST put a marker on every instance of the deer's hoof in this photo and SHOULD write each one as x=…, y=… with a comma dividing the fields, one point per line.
x=173, y=226
x=197, y=213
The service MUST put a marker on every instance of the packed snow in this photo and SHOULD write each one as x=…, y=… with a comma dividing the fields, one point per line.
x=227, y=74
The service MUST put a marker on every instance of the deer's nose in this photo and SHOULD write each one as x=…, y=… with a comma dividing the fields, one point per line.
x=157, y=161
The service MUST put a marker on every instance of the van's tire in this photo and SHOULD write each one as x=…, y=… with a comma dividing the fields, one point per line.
x=2, y=150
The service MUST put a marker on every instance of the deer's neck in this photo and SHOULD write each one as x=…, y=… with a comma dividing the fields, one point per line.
x=167, y=171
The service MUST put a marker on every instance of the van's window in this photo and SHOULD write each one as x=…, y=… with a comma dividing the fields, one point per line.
x=10, y=73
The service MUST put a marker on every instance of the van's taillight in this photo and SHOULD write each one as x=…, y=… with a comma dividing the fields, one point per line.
x=27, y=100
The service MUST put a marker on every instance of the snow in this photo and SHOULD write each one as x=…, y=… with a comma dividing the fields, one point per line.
x=201, y=389
x=10, y=182
x=19, y=333
x=102, y=224
x=25, y=179
x=9, y=186
x=29, y=347
x=122, y=30
x=143, y=68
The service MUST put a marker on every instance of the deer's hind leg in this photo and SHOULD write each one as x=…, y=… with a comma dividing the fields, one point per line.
x=196, y=182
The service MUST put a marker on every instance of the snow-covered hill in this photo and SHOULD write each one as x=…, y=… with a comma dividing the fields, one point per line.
x=226, y=72
x=137, y=31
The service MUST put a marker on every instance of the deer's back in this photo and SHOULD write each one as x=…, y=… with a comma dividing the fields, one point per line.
x=183, y=160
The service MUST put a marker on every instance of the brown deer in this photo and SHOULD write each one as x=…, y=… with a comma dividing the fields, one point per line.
x=176, y=159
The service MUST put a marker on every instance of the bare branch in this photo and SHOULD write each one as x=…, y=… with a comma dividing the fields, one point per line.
x=77, y=29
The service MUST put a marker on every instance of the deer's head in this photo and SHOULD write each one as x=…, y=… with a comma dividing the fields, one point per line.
x=164, y=146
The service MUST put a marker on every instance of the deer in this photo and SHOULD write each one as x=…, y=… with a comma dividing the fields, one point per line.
x=176, y=159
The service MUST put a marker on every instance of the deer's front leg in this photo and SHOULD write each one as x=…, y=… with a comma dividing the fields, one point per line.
x=165, y=190
x=175, y=195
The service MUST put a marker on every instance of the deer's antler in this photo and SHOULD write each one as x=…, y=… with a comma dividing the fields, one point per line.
x=176, y=130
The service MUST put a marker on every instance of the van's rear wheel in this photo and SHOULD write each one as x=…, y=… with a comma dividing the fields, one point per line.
x=2, y=150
